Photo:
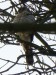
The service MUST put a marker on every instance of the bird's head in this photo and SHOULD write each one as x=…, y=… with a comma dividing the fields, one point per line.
x=24, y=10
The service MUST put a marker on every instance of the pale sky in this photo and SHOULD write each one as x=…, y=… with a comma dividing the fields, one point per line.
x=11, y=52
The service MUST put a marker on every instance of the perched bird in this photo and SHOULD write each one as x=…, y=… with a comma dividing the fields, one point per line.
x=24, y=16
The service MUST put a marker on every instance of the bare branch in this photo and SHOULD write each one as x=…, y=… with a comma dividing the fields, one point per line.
x=13, y=64
x=16, y=27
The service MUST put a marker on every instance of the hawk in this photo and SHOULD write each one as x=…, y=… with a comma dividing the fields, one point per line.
x=25, y=16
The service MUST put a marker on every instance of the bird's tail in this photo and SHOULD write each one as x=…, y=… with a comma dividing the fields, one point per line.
x=29, y=55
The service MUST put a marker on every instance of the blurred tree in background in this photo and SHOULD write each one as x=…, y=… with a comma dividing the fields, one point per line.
x=44, y=29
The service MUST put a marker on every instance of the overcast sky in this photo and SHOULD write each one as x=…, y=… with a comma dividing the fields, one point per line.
x=11, y=52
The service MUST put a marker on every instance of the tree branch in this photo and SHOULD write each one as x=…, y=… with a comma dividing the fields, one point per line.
x=16, y=27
